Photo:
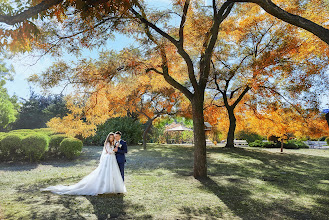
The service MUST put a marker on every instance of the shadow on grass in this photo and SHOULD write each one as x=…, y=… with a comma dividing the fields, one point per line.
x=177, y=159
x=103, y=206
x=293, y=175
x=253, y=184
x=207, y=212
x=112, y=206
x=289, y=172
x=17, y=166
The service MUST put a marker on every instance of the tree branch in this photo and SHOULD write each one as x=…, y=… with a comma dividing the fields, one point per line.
x=206, y=56
x=180, y=50
x=296, y=20
x=33, y=11
x=182, y=23
x=173, y=82
x=241, y=96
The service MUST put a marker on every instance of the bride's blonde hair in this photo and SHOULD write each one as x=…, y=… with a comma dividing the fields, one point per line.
x=108, y=138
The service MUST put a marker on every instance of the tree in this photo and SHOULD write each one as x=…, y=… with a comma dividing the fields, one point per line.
x=8, y=112
x=280, y=121
x=144, y=98
x=264, y=59
x=38, y=109
x=296, y=20
x=8, y=105
x=105, y=15
x=152, y=104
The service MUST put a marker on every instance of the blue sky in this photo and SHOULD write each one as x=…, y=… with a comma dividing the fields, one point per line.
x=23, y=67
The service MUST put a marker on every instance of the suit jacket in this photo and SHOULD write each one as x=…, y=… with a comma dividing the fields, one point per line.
x=120, y=154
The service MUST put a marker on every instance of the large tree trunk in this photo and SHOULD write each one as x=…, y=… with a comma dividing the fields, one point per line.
x=327, y=117
x=231, y=130
x=200, y=157
x=146, y=131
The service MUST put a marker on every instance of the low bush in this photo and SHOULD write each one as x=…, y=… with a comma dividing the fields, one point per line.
x=21, y=130
x=271, y=144
x=35, y=146
x=291, y=144
x=248, y=136
x=257, y=143
x=70, y=147
x=11, y=146
x=46, y=131
x=327, y=140
x=54, y=143
x=295, y=144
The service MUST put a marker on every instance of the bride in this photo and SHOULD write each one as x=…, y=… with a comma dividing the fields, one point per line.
x=106, y=178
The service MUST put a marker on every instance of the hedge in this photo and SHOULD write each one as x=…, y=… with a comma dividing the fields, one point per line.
x=291, y=144
x=295, y=144
x=37, y=144
x=248, y=136
x=54, y=143
x=34, y=146
x=11, y=146
x=70, y=147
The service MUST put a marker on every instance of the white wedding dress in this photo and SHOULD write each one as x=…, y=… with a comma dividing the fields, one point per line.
x=106, y=178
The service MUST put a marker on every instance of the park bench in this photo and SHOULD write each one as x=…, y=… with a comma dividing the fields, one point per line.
x=316, y=144
x=243, y=143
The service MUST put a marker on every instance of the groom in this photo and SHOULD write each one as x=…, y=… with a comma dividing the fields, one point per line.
x=121, y=150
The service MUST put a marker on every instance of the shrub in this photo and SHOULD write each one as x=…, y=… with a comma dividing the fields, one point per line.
x=271, y=144
x=2, y=134
x=257, y=143
x=131, y=129
x=324, y=138
x=327, y=140
x=34, y=146
x=54, y=143
x=295, y=144
x=71, y=147
x=11, y=146
x=22, y=132
x=46, y=131
x=248, y=136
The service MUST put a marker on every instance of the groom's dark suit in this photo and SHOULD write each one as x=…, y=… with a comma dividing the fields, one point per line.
x=121, y=158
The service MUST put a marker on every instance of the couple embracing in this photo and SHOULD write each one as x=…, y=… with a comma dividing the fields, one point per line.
x=108, y=177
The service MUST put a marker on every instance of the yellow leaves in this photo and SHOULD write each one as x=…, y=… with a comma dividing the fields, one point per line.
x=72, y=127
x=146, y=95
x=280, y=121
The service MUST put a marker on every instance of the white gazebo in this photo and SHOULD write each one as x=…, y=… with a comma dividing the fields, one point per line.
x=175, y=128
x=207, y=126
x=179, y=128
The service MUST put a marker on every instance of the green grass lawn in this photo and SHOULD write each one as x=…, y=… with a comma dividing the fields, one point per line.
x=243, y=183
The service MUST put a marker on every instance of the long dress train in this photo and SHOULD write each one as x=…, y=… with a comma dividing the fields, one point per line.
x=106, y=178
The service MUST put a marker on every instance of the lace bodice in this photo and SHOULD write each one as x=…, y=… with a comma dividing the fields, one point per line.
x=109, y=148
